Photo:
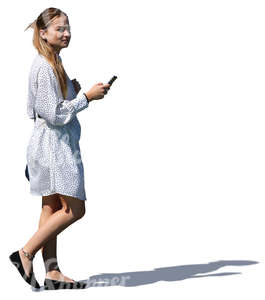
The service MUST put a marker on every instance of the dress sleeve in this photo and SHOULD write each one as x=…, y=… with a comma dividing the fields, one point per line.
x=48, y=103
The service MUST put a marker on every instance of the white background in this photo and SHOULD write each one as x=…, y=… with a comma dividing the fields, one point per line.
x=173, y=155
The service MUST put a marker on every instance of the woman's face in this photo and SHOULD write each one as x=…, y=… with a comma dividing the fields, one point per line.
x=58, y=33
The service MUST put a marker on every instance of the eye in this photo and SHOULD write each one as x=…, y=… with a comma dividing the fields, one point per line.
x=62, y=29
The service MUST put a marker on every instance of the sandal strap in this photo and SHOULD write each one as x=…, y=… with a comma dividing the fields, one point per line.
x=28, y=255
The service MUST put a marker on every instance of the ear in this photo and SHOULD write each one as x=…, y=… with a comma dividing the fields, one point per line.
x=43, y=34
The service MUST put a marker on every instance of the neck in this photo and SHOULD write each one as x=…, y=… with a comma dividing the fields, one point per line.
x=57, y=50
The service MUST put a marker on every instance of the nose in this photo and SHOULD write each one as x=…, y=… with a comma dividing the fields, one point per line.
x=67, y=34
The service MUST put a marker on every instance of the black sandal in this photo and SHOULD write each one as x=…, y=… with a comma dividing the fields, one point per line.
x=50, y=284
x=16, y=261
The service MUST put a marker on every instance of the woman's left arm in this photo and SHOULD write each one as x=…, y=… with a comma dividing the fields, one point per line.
x=48, y=102
x=76, y=85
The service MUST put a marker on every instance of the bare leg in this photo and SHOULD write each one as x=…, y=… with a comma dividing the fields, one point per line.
x=50, y=204
x=72, y=210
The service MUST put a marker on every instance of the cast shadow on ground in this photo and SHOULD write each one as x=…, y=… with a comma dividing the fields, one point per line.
x=174, y=273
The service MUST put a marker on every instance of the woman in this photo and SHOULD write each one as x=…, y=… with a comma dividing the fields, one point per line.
x=53, y=154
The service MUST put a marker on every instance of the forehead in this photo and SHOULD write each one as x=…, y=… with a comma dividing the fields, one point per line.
x=60, y=21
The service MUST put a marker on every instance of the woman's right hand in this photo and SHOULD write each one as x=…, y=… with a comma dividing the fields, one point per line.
x=98, y=91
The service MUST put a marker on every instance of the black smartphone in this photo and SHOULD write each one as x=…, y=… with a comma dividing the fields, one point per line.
x=112, y=80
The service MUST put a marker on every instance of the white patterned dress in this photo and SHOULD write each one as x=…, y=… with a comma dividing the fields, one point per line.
x=53, y=153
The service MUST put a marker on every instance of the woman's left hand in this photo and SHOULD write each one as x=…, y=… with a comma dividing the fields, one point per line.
x=76, y=85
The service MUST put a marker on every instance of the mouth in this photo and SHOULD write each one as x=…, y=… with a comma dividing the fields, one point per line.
x=65, y=41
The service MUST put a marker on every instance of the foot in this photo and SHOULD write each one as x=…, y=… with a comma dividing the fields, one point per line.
x=26, y=263
x=57, y=275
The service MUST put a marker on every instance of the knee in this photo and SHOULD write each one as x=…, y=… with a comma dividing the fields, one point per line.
x=51, y=204
x=76, y=214
x=80, y=213
x=73, y=207
x=49, y=210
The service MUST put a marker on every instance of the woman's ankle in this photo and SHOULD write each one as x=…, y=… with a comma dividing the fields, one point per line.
x=27, y=254
x=55, y=271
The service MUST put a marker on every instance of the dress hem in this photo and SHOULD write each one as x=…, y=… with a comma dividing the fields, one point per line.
x=51, y=193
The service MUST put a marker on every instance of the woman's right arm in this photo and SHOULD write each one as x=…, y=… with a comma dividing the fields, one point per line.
x=56, y=110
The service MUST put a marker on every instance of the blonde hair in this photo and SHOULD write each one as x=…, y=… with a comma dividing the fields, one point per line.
x=43, y=48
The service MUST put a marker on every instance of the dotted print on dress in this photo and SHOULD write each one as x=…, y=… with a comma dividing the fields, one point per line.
x=53, y=152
